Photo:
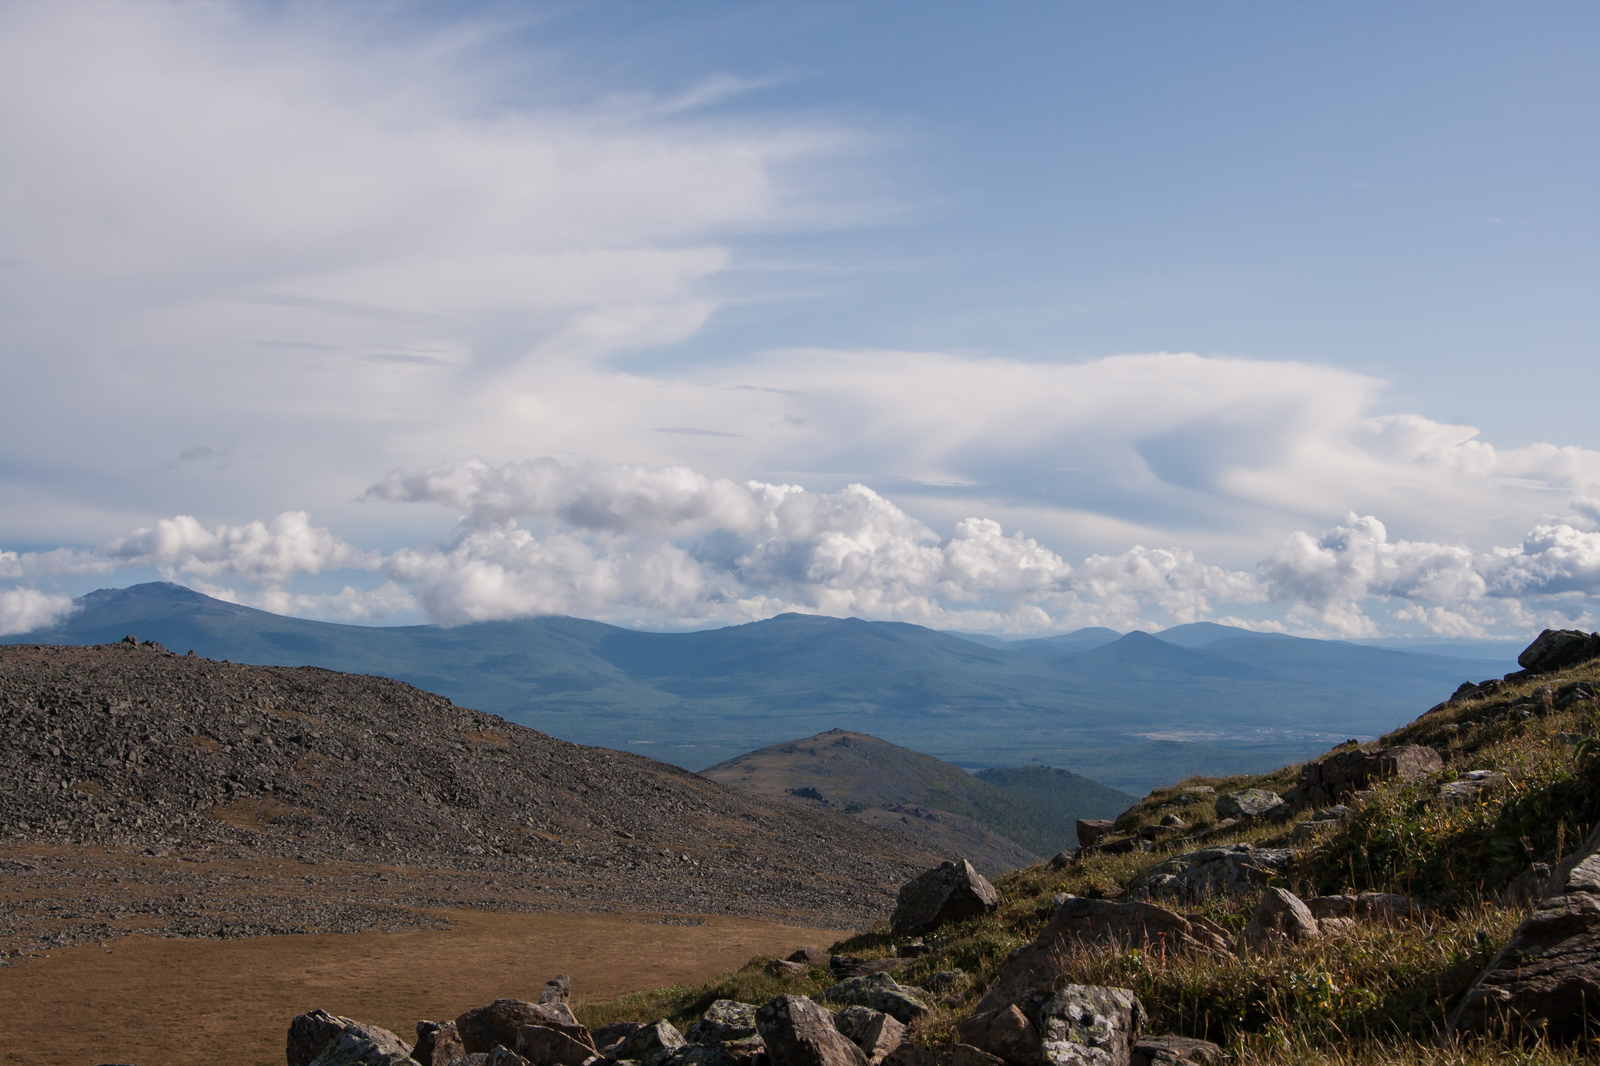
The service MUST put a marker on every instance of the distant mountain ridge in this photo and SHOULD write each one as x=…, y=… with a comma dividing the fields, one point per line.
x=1244, y=700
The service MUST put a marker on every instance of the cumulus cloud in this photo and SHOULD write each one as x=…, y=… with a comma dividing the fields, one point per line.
x=260, y=553
x=24, y=610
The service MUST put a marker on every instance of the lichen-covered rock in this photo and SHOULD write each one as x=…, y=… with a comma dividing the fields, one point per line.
x=1228, y=868
x=948, y=893
x=1557, y=649
x=1280, y=916
x=1250, y=803
x=438, y=1044
x=798, y=1032
x=874, y=1032
x=545, y=1045
x=724, y=1020
x=1364, y=906
x=1344, y=773
x=1176, y=1051
x=557, y=990
x=882, y=993
x=504, y=1056
x=484, y=1028
x=785, y=968
x=1077, y=921
x=311, y=1033
x=1005, y=1032
x=365, y=1046
x=1092, y=830
x=649, y=1044
x=1472, y=787
x=1090, y=1025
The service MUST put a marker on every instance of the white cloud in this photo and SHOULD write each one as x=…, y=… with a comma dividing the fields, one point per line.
x=24, y=610
x=260, y=553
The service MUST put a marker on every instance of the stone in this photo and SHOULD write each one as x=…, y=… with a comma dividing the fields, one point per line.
x=609, y=1036
x=482, y=1028
x=477, y=1058
x=1090, y=1025
x=946, y=981
x=785, y=968
x=1176, y=1051
x=1172, y=821
x=799, y=1032
x=650, y=1044
x=1472, y=787
x=882, y=993
x=438, y=1044
x=843, y=966
x=1063, y=859
x=1334, y=928
x=1557, y=649
x=1343, y=774
x=546, y=1046
x=967, y=1055
x=1363, y=906
x=313, y=1032
x=912, y=949
x=503, y=1056
x=1005, y=1033
x=557, y=990
x=1337, y=813
x=711, y=1055
x=1227, y=868
x=874, y=1032
x=1280, y=916
x=1528, y=887
x=951, y=892
x=724, y=1021
x=1250, y=803
x=1092, y=830
x=1545, y=984
x=814, y=957
x=1306, y=832
x=1079, y=921
x=363, y=1045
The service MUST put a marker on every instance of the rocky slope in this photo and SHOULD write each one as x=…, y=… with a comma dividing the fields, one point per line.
x=129, y=746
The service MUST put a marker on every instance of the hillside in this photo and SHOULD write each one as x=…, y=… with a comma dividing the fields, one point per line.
x=1474, y=831
x=1054, y=800
x=129, y=746
x=1235, y=701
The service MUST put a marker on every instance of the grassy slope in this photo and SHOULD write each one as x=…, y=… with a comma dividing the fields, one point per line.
x=1377, y=996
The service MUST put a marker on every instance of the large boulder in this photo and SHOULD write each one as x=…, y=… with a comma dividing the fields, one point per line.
x=438, y=1044
x=312, y=1032
x=1379, y=906
x=557, y=990
x=1280, y=917
x=948, y=893
x=365, y=1046
x=724, y=1020
x=1176, y=1051
x=798, y=1032
x=882, y=993
x=547, y=1046
x=1090, y=1025
x=1251, y=803
x=1005, y=1032
x=874, y=1032
x=1557, y=649
x=607, y=1037
x=1545, y=983
x=1472, y=788
x=1344, y=773
x=1079, y=921
x=496, y=1025
x=1228, y=868
x=650, y=1044
x=1092, y=830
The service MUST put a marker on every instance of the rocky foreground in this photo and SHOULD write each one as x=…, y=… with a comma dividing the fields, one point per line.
x=173, y=768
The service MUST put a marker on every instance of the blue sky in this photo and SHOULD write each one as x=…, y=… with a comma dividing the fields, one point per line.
x=1282, y=315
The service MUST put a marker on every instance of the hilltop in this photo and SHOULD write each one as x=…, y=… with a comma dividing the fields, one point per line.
x=999, y=820
x=114, y=749
x=1130, y=711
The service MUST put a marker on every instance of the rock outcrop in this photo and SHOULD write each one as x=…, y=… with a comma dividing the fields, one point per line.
x=311, y=1034
x=1280, y=917
x=1557, y=649
x=438, y=1044
x=880, y=992
x=1342, y=774
x=874, y=1032
x=1545, y=983
x=798, y=1032
x=948, y=893
x=1228, y=868
x=496, y=1025
x=1250, y=803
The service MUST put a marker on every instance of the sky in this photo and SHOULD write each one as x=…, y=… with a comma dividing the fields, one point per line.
x=1007, y=319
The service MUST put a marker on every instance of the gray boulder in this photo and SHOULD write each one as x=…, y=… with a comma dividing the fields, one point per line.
x=1472, y=787
x=1545, y=984
x=1229, y=868
x=882, y=993
x=557, y=990
x=548, y=1046
x=798, y=1032
x=1003, y=1032
x=356, y=1047
x=785, y=968
x=874, y=1032
x=650, y=1044
x=723, y=1021
x=843, y=966
x=1092, y=830
x=1341, y=775
x=1365, y=906
x=311, y=1033
x=1557, y=649
x=1176, y=1051
x=950, y=892
x=1251, y=803
x=504, y=1056
x=1090, y=1025
x=1078, y=922
x=609, y=1036
x=438, y=1044
x=814, y=957
x=1280, y=916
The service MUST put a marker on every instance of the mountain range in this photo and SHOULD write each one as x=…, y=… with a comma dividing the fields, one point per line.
x=1131, y=710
